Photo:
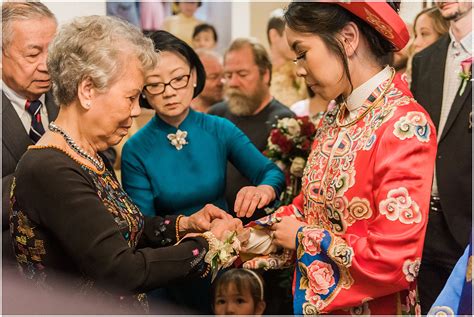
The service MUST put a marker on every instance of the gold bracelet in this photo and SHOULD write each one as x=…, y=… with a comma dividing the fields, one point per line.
x=177, y=226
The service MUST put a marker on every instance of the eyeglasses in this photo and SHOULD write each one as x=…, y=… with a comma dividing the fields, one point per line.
x=175, y=83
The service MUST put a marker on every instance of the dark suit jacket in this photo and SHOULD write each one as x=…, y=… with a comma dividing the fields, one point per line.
x=15, y=141
x=454, y=157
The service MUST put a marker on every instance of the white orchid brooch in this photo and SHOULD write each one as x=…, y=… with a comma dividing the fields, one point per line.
x=178, y=139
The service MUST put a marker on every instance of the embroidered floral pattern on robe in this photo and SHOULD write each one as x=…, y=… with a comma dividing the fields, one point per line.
x=348, y=258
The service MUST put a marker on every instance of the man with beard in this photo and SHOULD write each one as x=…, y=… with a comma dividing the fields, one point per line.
x=442, y=84
x=249, y=104
x=251, y=107
x=213, y=91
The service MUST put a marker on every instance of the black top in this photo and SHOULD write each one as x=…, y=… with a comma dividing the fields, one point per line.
x=257, y=128
x=69, y=219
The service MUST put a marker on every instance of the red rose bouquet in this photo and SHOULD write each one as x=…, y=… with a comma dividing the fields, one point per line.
x=289, y=145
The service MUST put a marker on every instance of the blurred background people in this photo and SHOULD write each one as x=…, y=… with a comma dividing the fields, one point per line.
x=177, y=163
x=124, y=9
x=314, y=107
x=239, y=292
x=285, y=86
x=205, y=36
x=213, y=91
x=183, y=23
x=428, y=26
x=152, y=15
x=442, y=83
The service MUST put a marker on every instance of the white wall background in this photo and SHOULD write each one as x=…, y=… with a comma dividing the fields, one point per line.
x=66, y=10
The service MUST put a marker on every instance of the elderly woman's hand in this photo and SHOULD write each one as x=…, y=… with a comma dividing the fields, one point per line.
x=284, y=232
x=219, y=227
x=250, y=198
x=201, y=220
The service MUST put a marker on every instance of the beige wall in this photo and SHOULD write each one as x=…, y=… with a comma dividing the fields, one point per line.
x=259, y=14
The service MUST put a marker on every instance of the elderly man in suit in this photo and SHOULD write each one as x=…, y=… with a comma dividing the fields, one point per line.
x=447, y=96
x=28, y=28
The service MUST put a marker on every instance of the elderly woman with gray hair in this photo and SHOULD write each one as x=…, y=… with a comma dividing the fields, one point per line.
x=69, y=214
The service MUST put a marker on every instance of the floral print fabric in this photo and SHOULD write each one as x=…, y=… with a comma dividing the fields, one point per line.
x=365, y=197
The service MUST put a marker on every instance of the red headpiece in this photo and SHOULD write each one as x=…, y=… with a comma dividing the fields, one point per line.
x=382, y=18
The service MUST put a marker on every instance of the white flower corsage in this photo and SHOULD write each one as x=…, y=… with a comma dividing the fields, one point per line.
x=221, y=254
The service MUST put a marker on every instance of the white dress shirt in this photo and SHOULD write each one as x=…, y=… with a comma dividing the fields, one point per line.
x=19, y=104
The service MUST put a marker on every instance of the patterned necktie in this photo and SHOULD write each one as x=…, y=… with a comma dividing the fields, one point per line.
x=37, y=129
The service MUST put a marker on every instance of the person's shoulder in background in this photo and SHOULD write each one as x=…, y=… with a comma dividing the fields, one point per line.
x=219, y=109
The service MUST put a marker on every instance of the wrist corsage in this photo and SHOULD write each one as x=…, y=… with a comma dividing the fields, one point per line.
x=465, y=74
x=221, y=254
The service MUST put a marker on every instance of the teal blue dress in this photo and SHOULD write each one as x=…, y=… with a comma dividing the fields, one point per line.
x=162, y=180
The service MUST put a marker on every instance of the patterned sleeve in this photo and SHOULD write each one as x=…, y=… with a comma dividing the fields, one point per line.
x=334, y=272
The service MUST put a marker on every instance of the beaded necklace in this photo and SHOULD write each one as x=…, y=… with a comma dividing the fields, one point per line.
x=97, y=162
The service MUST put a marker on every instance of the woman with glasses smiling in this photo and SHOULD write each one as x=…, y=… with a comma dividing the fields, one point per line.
x=177, y=163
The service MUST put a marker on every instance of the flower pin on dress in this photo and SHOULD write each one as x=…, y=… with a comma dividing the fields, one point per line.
x=178, y=139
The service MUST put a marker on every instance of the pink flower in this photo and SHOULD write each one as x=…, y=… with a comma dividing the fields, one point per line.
x=312, y=241
x=465, y=74
x=321, y=277
x=466, y=65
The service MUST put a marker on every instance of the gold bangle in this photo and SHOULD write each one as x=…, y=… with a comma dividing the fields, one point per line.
x=177, y=226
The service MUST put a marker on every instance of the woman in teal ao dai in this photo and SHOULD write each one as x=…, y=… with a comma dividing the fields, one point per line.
x=177, y=163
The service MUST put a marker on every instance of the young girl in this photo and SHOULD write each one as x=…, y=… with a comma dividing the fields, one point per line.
x=239, y=292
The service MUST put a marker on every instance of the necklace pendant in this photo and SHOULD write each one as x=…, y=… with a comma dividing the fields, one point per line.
x=178, y=139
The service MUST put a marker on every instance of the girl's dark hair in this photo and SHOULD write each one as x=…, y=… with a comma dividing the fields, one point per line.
x=326, y=20
x=205, y=27
x=242, y=279
x=167, y=42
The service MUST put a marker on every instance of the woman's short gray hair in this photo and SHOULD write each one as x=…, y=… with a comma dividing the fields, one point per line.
x=94, y=47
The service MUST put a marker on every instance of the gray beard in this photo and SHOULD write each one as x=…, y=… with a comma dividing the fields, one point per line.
x=242, y=105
